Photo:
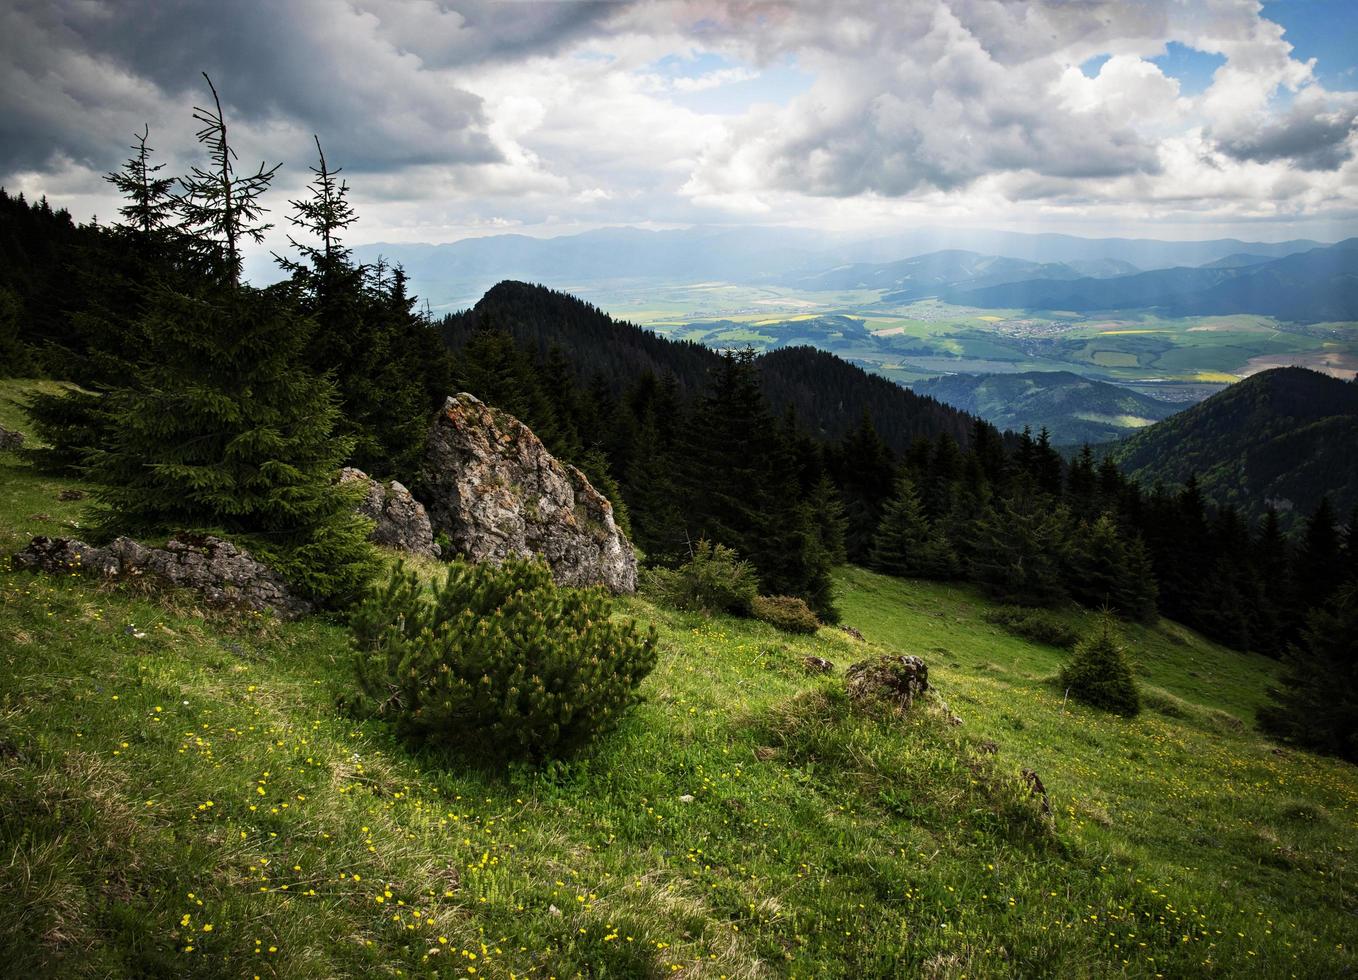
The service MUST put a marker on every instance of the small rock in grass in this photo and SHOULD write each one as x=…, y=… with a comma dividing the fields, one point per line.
x=70, y=494
x=686, y=798
x=765, y=752
x=10, y=440
x=852, y=632
x=817, y=665
x=893, y=680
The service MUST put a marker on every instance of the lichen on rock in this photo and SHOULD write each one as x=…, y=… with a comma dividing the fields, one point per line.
x=892, y=681
x=496, y=492
x=399, y=520
x=223, y=574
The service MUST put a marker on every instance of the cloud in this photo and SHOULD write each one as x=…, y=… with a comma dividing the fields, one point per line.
x=456, y=117
x=378, y=80
x=1315, y=134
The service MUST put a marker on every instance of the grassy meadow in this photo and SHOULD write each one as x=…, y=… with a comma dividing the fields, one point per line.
x=180, y=796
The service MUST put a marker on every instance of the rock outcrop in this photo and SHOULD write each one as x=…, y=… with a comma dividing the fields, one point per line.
x=401, y=520
x=224, y=575
x=890, y=681
x=497, y=493
x=10, y=440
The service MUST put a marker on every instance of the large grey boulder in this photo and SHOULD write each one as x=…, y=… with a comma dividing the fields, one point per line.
x=497, y=493
x=224, y=575
x=400, y=521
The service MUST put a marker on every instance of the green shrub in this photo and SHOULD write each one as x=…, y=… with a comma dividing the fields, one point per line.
x=1098, y=673
x=787, y=613
x=715, y=579
x=498, y=660
x=1034, y=624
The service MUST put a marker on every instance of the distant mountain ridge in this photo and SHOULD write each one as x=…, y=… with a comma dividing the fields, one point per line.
x=928, y=275
x=1317, y=285
x=1074, y=409
x=456, y=273
x=1285, y=436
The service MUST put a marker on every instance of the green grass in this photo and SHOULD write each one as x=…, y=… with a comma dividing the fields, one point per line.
x=157, y=763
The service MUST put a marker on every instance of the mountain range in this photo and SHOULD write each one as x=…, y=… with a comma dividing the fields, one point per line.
x=936, y=272
x=1318, y=285
x=457, y=273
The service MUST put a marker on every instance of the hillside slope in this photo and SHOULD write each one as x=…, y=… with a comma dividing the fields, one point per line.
x=829, y=394
x=179, y=796
x=1284, y=436
x=1073, y=408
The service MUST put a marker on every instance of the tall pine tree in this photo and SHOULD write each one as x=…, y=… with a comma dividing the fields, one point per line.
x=222, y=427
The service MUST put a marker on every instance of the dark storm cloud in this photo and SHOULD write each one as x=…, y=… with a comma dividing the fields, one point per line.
x=1307, y=138
x=374, y=79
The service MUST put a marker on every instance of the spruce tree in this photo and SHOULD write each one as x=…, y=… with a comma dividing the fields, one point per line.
x=1101, y=570
x=16, y=359
x=865, y=472
x=114, y=275
x=1319, y=564
x=222, y=427
x=727, y=454
x=1098, y=673
x=1018, y=549
x=221, y=209
x=1271, y=561
x=907, y=543
x=148, y=207
x=653, y=496
x=827, y=509
x=1351, y=547
x=1315, y=704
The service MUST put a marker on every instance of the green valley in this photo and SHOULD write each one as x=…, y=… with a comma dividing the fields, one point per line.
x=1181, y=358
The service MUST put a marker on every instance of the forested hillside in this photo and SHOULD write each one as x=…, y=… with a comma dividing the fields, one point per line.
x=828, y=395
x=1282, y=439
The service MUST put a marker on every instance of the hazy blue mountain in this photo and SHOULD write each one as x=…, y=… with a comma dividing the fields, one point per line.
x=1102, y=268
x=1316, y=285
x=1238, y=260
x=1143, y=253
x=928, y=275
x=458, y=273
x=1073, y=408
x=1284, y=436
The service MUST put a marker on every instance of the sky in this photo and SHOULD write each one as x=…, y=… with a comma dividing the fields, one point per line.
x=1160, y=119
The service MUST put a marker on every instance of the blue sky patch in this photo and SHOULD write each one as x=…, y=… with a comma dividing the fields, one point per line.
x=1193, y=68
x=1326, y=30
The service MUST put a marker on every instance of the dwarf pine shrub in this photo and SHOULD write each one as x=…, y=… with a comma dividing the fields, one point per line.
x=498, y=660
x=715, y=579
x=1098, y=673
x=787, y=613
